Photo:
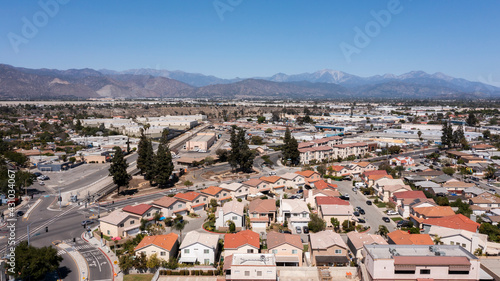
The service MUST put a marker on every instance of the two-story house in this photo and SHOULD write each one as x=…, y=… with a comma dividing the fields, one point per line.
x=195, y=201
x=199, y=247
x=293, y=180
x=164, y=246
x=328, y=249
x=287, y=248
x=294, y=211
x=230, y=211
x=309, y=176
x=262, y=213
x=238, y=190
x=218, y=193
x=120, y=224
x=256, y=185
x=243, y=242
x=276, y=182
x=171, y=206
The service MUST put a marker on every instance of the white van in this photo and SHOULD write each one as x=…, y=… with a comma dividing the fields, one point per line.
x=360, y=184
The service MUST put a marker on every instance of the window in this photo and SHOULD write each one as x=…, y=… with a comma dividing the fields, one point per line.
x=452, y=243
x=198, y=201
x=425, y=271
x=249, y=251
x=247, y=273
x=204, y=199
x=254, y=215
x=207, y=261
x=148, y=215
x=259, y=273
x=132, y=222
x=186, y=251
x=294, y=251
x=179, y=206
x=464, y=272
x=404, y=271
x=235, y=218
x=122, y=225
x=225, y=194
x=304, y=215
x=163, y=254
x=109, y=232
x=206, y=251
x=338, y=251
x=463, y=245
x=275, y=251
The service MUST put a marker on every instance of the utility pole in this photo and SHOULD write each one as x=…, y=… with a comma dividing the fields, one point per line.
x=60, y=198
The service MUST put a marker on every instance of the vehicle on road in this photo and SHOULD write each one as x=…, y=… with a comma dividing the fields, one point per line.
x=306, y=229
x=368, y=202
x=20, y=213
x=360, y=184
x=361, y=211
x=272, y=173
x=298, y=230
x=43, y=178
x=87, y=222
x=41, y=183
x=356, y=214
x=386, y=219
x=366, y=192
x=360, y=220
x=345, y=197
x=392, y=213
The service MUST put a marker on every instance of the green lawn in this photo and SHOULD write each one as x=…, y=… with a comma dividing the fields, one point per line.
x=380, y=204
x=138, y=277
x=396, y=219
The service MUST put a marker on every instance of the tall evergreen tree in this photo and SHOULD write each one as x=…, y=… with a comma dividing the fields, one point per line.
x=141, y=153
x=447, y=134
x=163, y=165
x=235, y=149
x=472, y=120
x=246, y=156
x=290, y=149
x=164, y=136
x=118, y=169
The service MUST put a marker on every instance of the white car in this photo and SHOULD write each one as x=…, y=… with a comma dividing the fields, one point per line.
x=392, y=213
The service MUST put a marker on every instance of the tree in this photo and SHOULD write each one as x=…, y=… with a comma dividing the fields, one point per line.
x=321, y=169
x=449, y=171
x=163, y=165
x=145, y=156
x=261, y=119
x=490, y=172
x=290, y=149
x=153, y=261
x=419, y=133
x=235, y=149
x=126, y=262
x=33, y=263
x=486, y=134
x=179, y=225
x=437, y=240
x=492, y=231
x=141, y=262
x=223, y=154
x=78, y=125
x=268, y=131
x=348, y=225
x=335, y=223
x=472, y=120
x=394, y=149
x=414, y=230
x=446, y=134
x=459, y=139
x=164, y=136
x=382, y=230
x=231, y=226
x=240, y=156
x=316, y=224
x=118, y=169
x=257, y=140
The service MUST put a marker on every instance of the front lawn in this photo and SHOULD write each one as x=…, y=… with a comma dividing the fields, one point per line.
x=380, y=204
x=138, y=277
x=396, y=219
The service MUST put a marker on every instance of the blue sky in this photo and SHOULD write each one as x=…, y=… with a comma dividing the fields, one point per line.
x=256, y=38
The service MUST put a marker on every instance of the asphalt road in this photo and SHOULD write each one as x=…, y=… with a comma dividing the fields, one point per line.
x=373, y=215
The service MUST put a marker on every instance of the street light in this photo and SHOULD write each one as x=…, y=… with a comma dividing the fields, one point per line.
x=28, y=230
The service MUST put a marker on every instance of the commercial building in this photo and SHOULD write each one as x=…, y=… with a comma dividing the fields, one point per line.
x=202, y=141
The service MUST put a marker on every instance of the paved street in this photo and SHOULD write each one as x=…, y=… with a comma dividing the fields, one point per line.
x=373, y=214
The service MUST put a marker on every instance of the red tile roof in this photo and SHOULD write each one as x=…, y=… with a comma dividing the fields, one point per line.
x=275, y=239
x=430, y=260
x=307, y=173
x=163, y=241
x=137, y=209
x=211, y=190
x=321, y=184
x=272, y=179
x=188, y=196
x=245, y=237
x=165, y=201
x=375, y=172
x=329, y=200
x=400, y=237
x=252, y=182
x=337, y=168
x=410, y=194
x=435, y=211
x=458, y=221
x=262, y=206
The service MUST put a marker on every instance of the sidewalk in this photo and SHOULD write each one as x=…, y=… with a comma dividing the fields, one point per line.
x=83, y=269
x=112, y=258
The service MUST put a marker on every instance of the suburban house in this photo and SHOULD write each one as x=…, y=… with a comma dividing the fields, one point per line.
x=262, y=212
x=432, y=212
x=257, y=185
x=230, y=211
x=321, y=184
x=287, y=248
x=250, y=267
x=120, y=223
x=164, y=246
x=420, y=262
x=311, y=194
x=295, y=212
x=218, y=193
x=402, y=161
x=356, y=241
x=199, y=247
x=338, y=171
x=277, y=183
x=486, y=200
x=370, y=177
x=398, y=197
x=471, y=241
x=195, y=201
x=430, y=174
x=362, y=166
x=328, y=200
x=309, y=176
x=145, y=211
x=238, y=190
x=458, y=221
x=340, y=212
x=171, y=206
x=386, y=188
x=400, y=237
x=243, y=242
x=328, y=249
x=457, y=187
x=294, y=180
x=407, y=205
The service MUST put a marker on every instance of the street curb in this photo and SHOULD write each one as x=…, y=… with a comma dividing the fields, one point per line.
x=32, y=208
x=109, y=260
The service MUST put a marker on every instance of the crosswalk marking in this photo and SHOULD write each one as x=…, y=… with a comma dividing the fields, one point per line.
x=61, y=252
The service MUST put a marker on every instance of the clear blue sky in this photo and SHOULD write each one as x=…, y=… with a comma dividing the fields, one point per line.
x=257, y=38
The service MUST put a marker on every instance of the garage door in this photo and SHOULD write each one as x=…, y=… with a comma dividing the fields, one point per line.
x=198, y=210
x=260, y=225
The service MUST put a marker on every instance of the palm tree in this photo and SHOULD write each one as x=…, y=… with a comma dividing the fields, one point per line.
x=179, y=226
x=437, y=240
x=382, y=230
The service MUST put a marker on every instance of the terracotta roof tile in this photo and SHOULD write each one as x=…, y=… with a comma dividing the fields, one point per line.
x=307, y=173
x=137, y=209
x=321, y=184
x=435, y=212
x=458, y=221
x=400, y=237
x=329, y=200
x=236, y=240
x=163, y=241
x=275, y=239
x=262, y=206
x=271, y=179
x=211, y=190
x=188, y=196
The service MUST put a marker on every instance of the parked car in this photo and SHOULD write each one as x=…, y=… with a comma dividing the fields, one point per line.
x=286, y=231
x=361, y=211
x=87, y=222
x=392, y=213
x=37, y=174
x=356, y=214
x=20, y=213
x=298, y=230
x=366, y=192
x=403, y=223
x=368, y=202
x=386, y=219
x=300, y=191
x=360, y=220
x=272, y=173
x=306, y=229
x=345, y=197
x=41, y=183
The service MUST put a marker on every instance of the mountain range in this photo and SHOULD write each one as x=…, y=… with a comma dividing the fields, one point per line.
x=23, y=84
